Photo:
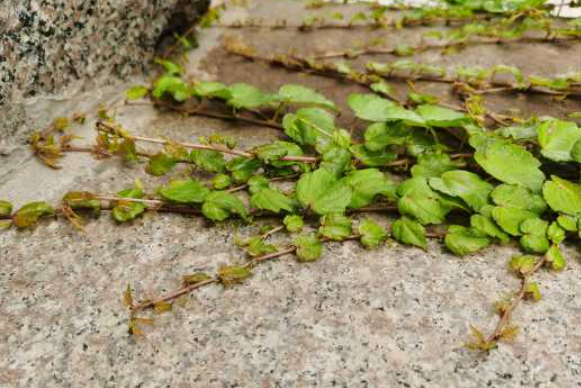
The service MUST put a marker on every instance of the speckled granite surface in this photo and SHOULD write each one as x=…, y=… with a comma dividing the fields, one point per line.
x=391, y=317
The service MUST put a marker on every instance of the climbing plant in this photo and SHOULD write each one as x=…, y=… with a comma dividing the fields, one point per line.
x=434, y=171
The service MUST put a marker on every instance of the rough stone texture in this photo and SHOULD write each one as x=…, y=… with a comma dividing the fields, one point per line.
x=46, y=45
x=391, y=317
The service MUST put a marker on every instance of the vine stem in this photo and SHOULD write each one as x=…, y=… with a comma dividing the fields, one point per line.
x=196, y=111
x=112, y=129
x=425, y=47
x=507, y=313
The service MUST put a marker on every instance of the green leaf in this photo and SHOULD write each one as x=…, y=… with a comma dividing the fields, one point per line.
x=335, y=226
x=218, y=205
x=136, y=92
x=255, y=246
x=532, y=291
x=293, y=223
x=83, y=200
x=221, y=181
x=371, y=233
x=555, y=258
x=510, y=163
x=309, y=248
x=272, y=152
x=233, y=274
x=522, y=264
x=372, y=159
x=408, y=231
x=555, y=233
x=184, y=191
x=244, y=96
x=169, y=66
x=336, y=159
x=322, y=192
x=466, y=185
x=432, y=165
x=29, y=214
x=242, y=168
x=407, y=116
x=173, y=85
x=437, y=116
x=369, y=106
x=557, y=139
x=535, y=235
x=366, y=184
x=510, y=218
x=419, y=201
x=382, y=87
x=208, y=160
x=380, y=135
x=160, y=164
x=272, y=200
x=563, y=196
x=298, y=94
x=5, y=208
x=212, y=90
x=518, y=197
x=485, y=225
x=126, y=210
x=526, y=131
x=463, y=241
x=568, y=223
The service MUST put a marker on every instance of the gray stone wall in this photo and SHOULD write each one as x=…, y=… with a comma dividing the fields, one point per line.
x=46, y=44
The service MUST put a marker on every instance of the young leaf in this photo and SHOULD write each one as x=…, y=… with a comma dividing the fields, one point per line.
x=212, y=90
x=218, y=205
x=309, y=248
x=563, y=196
x=136, y=92
x=272, y=152
x=293, y=223
x=242, y=168
x=369, y=107
x=231, y=275
x=208, y=160
x=555, y=258
x=160, y=164
x=186, y=191
x=371, y=233
x=195, y=278
x=5, y=209
x=462, y=241
x=255, y=246
x=466, y=185
x=510, y=163
x=335, y=226
x=568, y=223
x=555, y=233
x=522, y=264
x=83, y=200
x=408, y=231
x=29, y=214
x=221, y=181
x=534, y=237
x=532, y=291
x=126, y=210
x=322, y=192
